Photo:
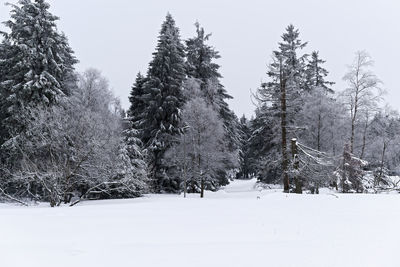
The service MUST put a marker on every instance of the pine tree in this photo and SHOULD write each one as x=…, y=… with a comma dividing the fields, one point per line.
x=137, y=104
x=200, y=65
x=244, y=161
x=38, y=63
x=6, y=51
x=200, y=57
x=132, y=165
x=286, y=74
x=316, y=74
x=263, y=146
x=163, y=98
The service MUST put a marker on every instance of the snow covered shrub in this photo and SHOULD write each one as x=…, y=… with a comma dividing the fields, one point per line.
x=75, y=148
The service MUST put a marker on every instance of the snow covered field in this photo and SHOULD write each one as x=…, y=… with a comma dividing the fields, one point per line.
x=232, y=227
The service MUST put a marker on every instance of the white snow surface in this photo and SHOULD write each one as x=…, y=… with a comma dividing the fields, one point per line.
x=239, y=225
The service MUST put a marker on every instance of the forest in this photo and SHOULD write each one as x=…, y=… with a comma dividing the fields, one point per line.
x=65, y=138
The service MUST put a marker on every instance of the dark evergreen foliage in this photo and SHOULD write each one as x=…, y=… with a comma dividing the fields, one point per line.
x=37, y=63
x=315, y=74
x=281, y=95
x=245, y=170
x=162, y=102
x=201, y=65
x=137, y=103
x=263, y=147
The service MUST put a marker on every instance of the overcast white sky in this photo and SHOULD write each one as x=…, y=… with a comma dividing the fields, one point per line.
x=118, y=36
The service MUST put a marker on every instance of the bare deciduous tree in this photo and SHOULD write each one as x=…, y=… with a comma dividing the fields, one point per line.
x=199, y=152
x=363, y=92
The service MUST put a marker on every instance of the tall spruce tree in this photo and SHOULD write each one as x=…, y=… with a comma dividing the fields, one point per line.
x=163, y=99
x=36, y=70
x=283, y=91
x=200, y=57
x=200, y=65
x=315, y=74
x=37, y=63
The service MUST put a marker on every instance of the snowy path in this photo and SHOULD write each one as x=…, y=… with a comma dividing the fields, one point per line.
x=231, y=227
x=240, y=186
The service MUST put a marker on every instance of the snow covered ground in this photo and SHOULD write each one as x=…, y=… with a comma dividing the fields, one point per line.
x=237, y=226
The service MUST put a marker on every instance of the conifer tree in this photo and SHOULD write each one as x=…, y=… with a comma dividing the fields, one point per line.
x=6, y=52
x=137, y=104
x=263, y=146
x=283, y=91
x=201, y=66
x=316, y=74
x=200, y=58
x=163, y=99
x=244, y=161
x=39, y=63
x=133, y=165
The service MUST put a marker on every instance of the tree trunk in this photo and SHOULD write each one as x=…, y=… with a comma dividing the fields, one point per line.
x=185, y=184
x=364, y=137
x=285, y=161
x=298, y=183
x=379, y=178
x=202, y=188
x=319, y=133
x=155, y=172
x=352, y=136
x=184, y=167
x=353, y=119
x=332, y=139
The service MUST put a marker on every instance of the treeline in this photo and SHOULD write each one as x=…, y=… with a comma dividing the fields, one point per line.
x=310, y=136
x=180, y=112
x=64, y=137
